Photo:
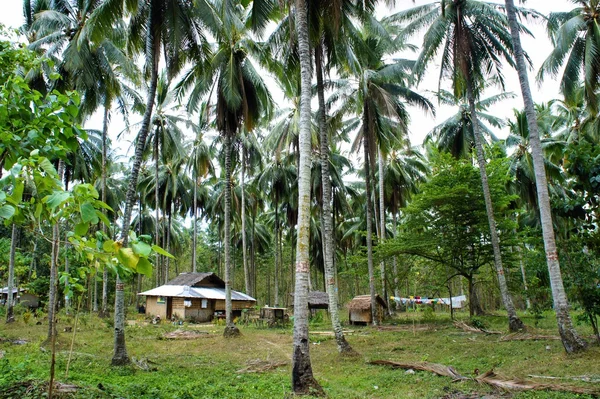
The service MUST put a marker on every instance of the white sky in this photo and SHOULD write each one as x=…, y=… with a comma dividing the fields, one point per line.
x=538, y=49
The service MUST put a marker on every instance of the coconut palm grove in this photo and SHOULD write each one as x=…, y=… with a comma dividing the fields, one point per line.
x=268, y=198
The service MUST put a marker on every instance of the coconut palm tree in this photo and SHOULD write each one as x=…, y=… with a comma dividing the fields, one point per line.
x=379, y=96
x=474, y=39
x=241, y=97
x=570, y=339
x=576, y=41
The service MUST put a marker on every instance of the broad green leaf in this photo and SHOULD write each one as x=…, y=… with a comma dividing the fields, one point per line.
x=6, y=212
x=17, y=195
x=47, y=166
x=109, y=246
x=56, y=199
x=81, y=229
x=161, y=251
x=103, y=218
x=141, y=248
x=144, y=267
x=88, y=213
x=128, y=258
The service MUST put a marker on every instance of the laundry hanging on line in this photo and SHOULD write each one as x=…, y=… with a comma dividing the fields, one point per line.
x=457, y=301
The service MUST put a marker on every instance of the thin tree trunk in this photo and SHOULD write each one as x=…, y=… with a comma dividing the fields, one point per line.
x=395, y=258
x=570, y=339
x=230, y=329
x=382, y=228
x=10, y=303
x=327, y=227
x=277, y=252
x=120, y=356
x=244, y=243
x=53, y=292
x=369, y=220
x=523, y=275
x=514, y=323
x=303, y=381
x=195, y=238
x=156, y=196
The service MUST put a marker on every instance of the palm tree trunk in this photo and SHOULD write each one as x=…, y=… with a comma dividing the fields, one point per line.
x=303, y=381
x=523, y=275
x=382, y=227
x=104, y=309
x=570, y=339
x=195, y=238
x=514, y=323
x=277, y=253
x=395, y=259
x=10, y=303
x=230, y=329
x=244, y=243
x=369, y=219
x=120, y=356
x=156, y=195
x=53, y=291
x=327, y=227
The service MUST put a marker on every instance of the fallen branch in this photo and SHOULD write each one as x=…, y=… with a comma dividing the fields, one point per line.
x=330, y=333
x=489, y=378
x=528, y=337
x=585, y=378
x=465, y=327
x=182, y=334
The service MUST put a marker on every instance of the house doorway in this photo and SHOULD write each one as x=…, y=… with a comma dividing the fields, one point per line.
x=169, y=308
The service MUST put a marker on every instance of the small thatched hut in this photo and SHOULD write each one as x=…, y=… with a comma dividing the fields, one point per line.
x=360, y=309
x=316, y=300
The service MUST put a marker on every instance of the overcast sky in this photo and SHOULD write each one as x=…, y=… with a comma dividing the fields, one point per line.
x=538, y=49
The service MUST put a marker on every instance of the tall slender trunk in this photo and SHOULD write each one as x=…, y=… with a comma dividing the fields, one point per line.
x=53, y=291
x=277, y=252
x=244, y=243
x=524, y=276
x=570, y=339
x=156, y=196
x=369, y=219
x=514, y=323
x=10, y=303
x=195, y=238
x=169, y=244
x=120, y=356
x=382, y=226
x=395, y=259
x=230, y=329
x=327, y=226
x=303, y=381
x=105, y=122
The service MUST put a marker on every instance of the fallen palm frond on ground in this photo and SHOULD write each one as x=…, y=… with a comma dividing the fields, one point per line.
x=260, y=366
x=185, y=334
x=520, y=336
x=490, y=378
x=585, y=378
x=330, y=333
x=407, y=327
x=465, y=327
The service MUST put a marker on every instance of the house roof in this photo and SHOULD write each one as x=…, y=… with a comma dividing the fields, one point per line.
x=317, y=299
x=193, y=279
x=14, y=290
x=185, y=291
x=363, y=302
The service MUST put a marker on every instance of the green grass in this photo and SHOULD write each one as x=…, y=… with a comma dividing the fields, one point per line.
x=206, y=367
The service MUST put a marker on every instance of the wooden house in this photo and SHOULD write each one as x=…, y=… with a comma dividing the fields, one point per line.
x=20, y=296
x=359, y=309
x=196, y=296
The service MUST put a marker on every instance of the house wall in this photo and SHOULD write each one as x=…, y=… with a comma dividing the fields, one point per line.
x=360, y=316
x=29, y=300
x=235, y=305
x=156, y=309
x=178, y=308
x=197, y=313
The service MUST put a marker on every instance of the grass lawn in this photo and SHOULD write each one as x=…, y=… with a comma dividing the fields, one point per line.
x=208, y=366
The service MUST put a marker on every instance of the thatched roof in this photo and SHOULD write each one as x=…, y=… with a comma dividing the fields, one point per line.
x=197, y=279
x=317, y=300
x=363, y=302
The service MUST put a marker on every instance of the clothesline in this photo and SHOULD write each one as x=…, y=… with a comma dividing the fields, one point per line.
x=457, y=301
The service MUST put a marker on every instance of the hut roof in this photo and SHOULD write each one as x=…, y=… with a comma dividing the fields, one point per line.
x=185, y=291
x=195, y=279
x=317, y=300
x=363, y=302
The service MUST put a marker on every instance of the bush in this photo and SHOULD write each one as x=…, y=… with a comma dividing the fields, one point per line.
x=479, y=323
x=428, y=315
